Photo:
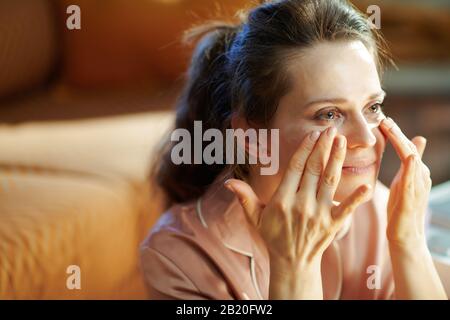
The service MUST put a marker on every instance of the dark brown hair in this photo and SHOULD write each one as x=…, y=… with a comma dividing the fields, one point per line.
x=242, y=68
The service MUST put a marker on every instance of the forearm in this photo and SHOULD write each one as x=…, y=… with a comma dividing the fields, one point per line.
x=415, y=275
x=295, y=283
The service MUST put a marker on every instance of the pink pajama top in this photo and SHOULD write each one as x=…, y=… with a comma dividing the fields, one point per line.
x=206, y=249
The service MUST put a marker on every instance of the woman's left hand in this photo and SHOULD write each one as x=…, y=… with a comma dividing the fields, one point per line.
x=409, y=190
x=415, y=275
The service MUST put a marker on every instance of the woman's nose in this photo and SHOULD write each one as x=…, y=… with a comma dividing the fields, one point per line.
x=359, y=133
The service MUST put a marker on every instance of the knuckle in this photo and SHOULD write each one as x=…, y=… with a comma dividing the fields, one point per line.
x=303, y=206
x=281, y=206
x=315, y=168
x=310, y=235
x=409, y=186
x=326, y=227
x=338, y=155
x=426, y=170
x=297, y=164
x=329, y=180
x=244, y=201
x=299, y=204
x=309, y=146
x=298, y=210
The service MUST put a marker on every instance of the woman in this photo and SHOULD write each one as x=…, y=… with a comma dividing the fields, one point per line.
x=323, y=226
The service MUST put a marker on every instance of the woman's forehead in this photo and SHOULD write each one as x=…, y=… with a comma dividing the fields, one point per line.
x=341, y=69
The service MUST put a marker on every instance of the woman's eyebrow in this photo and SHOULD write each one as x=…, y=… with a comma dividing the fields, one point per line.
x=381, y=94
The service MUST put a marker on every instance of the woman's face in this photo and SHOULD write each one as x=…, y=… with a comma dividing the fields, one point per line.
x=335, y=84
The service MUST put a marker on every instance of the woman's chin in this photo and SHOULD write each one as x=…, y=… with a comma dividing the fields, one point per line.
x=348, y=185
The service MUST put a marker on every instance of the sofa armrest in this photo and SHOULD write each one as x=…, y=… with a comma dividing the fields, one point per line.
x=49, y=222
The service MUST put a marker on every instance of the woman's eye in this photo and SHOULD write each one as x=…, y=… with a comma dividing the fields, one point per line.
x=329, y=115
x=376, y=108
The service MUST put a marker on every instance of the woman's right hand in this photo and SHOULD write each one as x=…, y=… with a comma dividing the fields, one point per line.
x=301, y=219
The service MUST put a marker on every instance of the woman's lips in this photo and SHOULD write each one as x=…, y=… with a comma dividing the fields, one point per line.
x=360, y=168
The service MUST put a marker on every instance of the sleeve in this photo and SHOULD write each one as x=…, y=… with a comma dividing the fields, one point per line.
x=165, y=280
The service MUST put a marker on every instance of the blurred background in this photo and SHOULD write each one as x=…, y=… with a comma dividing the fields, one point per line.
x=81, y=112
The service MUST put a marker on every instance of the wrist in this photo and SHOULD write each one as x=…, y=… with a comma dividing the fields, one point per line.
x=412, y=247
x=287, y=266
x=293, y=280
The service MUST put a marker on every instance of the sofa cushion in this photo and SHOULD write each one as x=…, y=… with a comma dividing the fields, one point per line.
x=77, y=193
x=116, y=146
x=50, y=221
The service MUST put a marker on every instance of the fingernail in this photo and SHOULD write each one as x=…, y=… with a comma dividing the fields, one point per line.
x=331, y=131
x=228, y=185
x=315, y=135
x=388, y=122
x=424, y=140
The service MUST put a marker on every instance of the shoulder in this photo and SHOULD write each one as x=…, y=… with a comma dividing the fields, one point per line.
x=175, y=258
x=173, y=228
x=162, y=254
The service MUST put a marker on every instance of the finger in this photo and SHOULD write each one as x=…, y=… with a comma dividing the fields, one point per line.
x=420, y=143
x=349, y=205
x=316, y=164
x=402, y=145
x=332, y=175
x=291, y=179
x=409, y=174
x=247, y=198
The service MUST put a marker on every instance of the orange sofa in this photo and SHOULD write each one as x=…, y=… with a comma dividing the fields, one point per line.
x=76, y=193
x=72, y=192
